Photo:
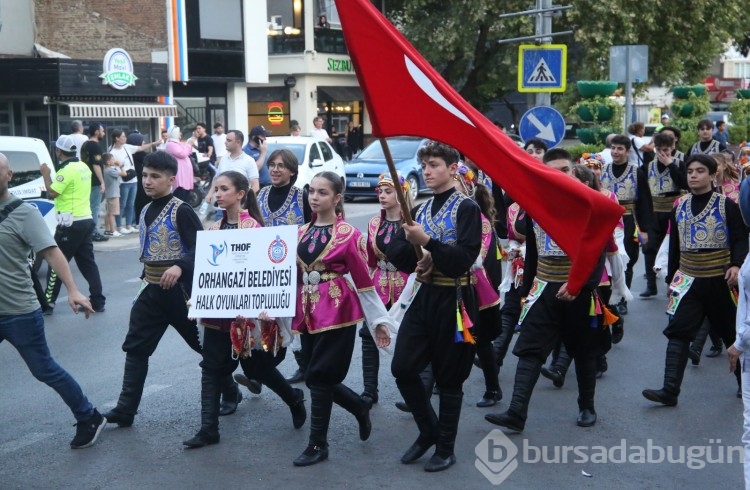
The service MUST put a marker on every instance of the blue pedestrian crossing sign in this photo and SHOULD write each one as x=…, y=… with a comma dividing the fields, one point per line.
x=542, y=68
x=543, y=122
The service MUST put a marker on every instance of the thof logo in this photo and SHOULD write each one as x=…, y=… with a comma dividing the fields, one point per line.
x=496, y=457
x=216, y=252
x=277, y=250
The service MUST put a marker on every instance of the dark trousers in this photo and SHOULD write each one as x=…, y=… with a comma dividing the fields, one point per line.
x=551, y=320
x=75, y=242
x=707, y=298
x=661, y=223
x=217, y=357
x=486, y=331
x=427, y=335
x=328, y=355
x=154, y=310
x=631, y=247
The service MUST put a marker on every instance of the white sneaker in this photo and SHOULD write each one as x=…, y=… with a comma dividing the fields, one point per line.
x=127, y=231
x=116, y=233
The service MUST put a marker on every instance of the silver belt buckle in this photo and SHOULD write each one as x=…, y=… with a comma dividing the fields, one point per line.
x=311, y=278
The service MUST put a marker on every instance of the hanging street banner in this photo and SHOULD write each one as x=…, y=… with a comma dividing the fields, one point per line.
x=244, y=272
x=542, y=68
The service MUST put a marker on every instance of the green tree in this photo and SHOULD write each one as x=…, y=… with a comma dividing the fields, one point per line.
x=460, y=38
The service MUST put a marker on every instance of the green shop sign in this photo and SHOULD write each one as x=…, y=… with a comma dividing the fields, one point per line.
x=340, y=65
x=118, y=69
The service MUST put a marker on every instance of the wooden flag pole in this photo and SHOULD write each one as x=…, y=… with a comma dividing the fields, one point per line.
x=405, y=211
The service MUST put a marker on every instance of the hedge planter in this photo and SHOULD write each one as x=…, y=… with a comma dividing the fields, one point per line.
x=601, y=113
x=587, y=136
x=589, y=88
x=683, y=91
x=683, y=109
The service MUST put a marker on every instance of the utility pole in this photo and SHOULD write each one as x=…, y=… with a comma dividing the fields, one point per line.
x=544, y=31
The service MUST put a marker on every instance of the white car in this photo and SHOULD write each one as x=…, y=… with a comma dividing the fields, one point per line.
x=314, y=156
x=26, y=156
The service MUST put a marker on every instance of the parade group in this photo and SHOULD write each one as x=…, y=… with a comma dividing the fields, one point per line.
x=440, y=290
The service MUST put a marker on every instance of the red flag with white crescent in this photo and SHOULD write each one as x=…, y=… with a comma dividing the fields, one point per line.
x=405, y=96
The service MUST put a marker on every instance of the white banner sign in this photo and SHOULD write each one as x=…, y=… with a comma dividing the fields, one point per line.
x=244, y=272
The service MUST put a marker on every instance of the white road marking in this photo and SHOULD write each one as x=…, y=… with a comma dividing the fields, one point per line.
x=24, y=441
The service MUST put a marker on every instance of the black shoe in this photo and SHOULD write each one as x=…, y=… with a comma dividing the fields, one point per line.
x=119, y=418
x=403, y=407
x=490, y=399
x=417, y=450
x=695, y=356
x=436, y=463
x=312, y=455
x=369, y=398
x=99, y=238
x=87, y=432
x=299, y=413
x=254, y=386
x=714, y=351
x=586, y=417
x=648, y=293
x=618, y=330
x=202, y=438
x=49, y=309
x=295, y=378
x=228, y=407
x=660, y=396
x=622, y=307
x=365, y=425
x=554, y=375
x=506, y=419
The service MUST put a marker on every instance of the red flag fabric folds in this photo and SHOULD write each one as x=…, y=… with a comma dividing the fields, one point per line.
x=406, y=96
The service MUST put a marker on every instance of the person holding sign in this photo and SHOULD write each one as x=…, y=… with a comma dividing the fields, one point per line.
x=168, y=229
x=389, y=282
x=232, y=190
x=708, y=243
x=328, y=309
x=282, y=203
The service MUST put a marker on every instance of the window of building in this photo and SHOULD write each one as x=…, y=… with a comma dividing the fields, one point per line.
x=286, y=33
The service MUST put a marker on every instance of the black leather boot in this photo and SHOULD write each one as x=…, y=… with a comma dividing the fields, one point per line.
x=231, y=396
x=210, y=394
x=321, y=402
x=299, y=374
x=133, y=379
x=253, y=385
x=352, y=403
x=650, y=277
x=418, y=400
x=527, y=374
x=489, y=366
x=450, y=412
x=559, y=368
x=586, y=368
x=370, y=368
x=502, y=341
x=618, y=328
x=696, y=346
x=293, y=397
x=674, y=370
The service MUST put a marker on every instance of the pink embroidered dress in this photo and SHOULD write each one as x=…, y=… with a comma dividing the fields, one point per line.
x=326, y=299
x=389, y=282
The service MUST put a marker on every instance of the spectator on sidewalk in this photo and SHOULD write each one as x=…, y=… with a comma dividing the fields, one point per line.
x=113, y=175
x=91, y=154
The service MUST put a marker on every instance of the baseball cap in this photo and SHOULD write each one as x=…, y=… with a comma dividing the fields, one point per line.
x=665, y=116
x=66, y=143
x=259, y=131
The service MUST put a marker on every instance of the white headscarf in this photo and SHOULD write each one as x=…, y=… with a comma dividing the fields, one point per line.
x=174, y=134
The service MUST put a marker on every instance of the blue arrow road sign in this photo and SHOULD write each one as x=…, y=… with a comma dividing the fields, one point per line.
x=542, y=122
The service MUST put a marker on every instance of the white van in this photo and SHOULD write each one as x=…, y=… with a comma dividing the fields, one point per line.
x=25, y=156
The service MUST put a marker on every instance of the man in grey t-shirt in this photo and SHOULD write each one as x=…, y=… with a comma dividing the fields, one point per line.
x=22, y=231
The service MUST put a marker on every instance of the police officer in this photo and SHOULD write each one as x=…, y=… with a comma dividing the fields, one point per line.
x=71, y=191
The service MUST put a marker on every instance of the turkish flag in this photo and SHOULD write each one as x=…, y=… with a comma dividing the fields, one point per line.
x=405, y=96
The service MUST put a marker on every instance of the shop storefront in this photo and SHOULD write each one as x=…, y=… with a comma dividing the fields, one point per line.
x=40, y=97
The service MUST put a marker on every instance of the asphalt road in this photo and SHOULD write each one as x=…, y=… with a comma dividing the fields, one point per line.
x=258, y=442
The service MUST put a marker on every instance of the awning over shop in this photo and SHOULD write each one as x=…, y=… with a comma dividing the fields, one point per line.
x=107, y=110
x=339, y=94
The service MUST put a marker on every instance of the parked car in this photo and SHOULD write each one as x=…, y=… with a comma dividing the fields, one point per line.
x=363, y=172
x=26, y=156
x=314, y=156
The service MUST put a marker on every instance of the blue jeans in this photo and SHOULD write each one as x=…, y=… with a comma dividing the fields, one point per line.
x=95, y=201
x=26, y=334
x=127, y=204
